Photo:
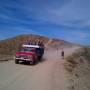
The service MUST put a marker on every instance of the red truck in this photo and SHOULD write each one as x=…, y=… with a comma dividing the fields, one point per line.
x=29, y=53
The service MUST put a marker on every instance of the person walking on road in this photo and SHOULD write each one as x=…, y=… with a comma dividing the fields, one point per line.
x=62, y=54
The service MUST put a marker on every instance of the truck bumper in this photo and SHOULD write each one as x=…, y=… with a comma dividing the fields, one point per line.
x=23, y=59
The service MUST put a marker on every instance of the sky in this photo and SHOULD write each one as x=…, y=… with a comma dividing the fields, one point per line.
x=63, y=19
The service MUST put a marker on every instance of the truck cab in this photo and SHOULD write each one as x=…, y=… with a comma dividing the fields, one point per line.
x=29, y=53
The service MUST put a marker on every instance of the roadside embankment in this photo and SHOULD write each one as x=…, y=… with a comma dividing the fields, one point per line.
x=78, y=69
x=6, y=58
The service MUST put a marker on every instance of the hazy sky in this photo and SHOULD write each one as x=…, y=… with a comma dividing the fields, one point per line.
x=64, y=19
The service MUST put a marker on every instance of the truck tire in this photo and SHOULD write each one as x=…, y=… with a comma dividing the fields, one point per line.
x=16, y=61
x=39, y=58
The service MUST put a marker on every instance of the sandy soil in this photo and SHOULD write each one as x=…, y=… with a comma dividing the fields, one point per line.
x=46, y=75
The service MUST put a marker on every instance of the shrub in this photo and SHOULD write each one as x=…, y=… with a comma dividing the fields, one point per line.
x=79, y=55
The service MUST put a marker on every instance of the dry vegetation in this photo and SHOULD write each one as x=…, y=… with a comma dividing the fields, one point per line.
x=78, y=56
x=78, y=67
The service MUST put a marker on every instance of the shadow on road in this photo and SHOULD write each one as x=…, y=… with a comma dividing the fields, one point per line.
x=43, y=60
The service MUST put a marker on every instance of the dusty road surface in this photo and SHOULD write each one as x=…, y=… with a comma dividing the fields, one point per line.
x=46, y=75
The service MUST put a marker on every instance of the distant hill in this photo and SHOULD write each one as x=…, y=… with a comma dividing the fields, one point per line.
x=11, y=45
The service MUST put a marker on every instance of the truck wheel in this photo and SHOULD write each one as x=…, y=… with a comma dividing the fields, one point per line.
x=39, y=58
x=16, y=61
x=25, y=62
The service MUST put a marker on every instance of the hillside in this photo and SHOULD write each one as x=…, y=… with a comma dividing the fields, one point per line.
x=11, y=45
x=78, y=67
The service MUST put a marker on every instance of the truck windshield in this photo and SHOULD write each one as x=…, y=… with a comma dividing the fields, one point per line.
x=27, y=50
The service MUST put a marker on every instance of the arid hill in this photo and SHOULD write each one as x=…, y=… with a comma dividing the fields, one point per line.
x=11, y=45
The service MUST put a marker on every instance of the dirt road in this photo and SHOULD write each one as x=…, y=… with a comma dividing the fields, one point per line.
x=46, y=75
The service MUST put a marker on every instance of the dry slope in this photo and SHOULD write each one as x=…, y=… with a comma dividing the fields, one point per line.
x=78, y=67
x=10, y=46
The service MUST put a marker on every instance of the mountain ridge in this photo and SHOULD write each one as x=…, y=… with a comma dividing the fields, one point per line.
x=11, y=45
